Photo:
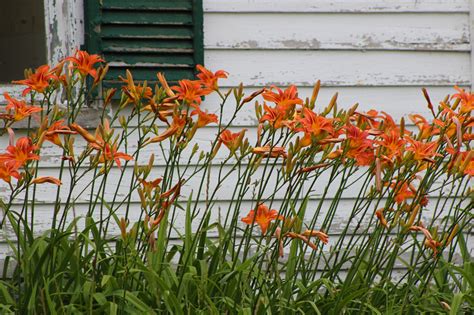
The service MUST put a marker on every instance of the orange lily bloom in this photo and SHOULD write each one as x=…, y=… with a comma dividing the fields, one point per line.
x=209, y=79
x=393, y=144
x=314, y=126
x=426, y=129
x=84, y=133
x=84, y=63
x=285, y=99
x=18, y=155
x=53, y=132
x=46, y=179
x=204, y=118
x=21, y=109
x=467, y=100
x=190, y=91
x=360, y=147
x=109, y=153
x=7, y=171
x=37, y=81
x=232, y=140
x=148, y=186
x=268, y=151
x=423, y=151
x=263, y=217
x=323, y=237
x=176, y=128
x=274, y=116
x=429, y=241
x=403, y=191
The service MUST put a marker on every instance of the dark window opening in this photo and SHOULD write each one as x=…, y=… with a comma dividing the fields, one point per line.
x=22, y=38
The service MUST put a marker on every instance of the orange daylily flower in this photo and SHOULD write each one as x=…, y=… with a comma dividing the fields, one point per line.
x=426, y=129
x=84, y=133
x=148, y=186
x=18, y=155
x=21, y=110
x=466, y=98
x=274, y=116
x=272, y=152
x=190, y=91
x=46, y=179
x=284, y=99
x=37, y=81
x=176, y=128
x=359, y=146
x=314, y=126
x=393, y=145
x=429, y=241
x=209, y=79
x=7, y=171
x=232, y=140
x=109, y=153
x=84, y=63
x=323, y=237
x=53, y=132
x=204, y=118
x=403, y=191
x=263, y=217
x=423, y=151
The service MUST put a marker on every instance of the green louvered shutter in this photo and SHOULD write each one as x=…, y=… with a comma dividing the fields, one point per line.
x=145, y=36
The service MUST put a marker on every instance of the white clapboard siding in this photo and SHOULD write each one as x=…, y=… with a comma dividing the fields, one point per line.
x=292, y=31
x=375, y=53
x=337, y=6
x=341, y=68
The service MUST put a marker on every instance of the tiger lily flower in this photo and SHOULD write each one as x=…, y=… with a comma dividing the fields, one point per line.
x=53, y=132
x=423, y=151
x=135, y=93
x=209, y=79
x=467, y=100
x=37, y=81
x=262, y=216
x=286, y=99
x=7, y=171
x=381, y=217
x=109, y=153
x=21, y=110
x=190, y=92
x=323, y=237
x=232, y=140
x=204, y=118
x=84, y=63
x=18, y=155
x=429, y=241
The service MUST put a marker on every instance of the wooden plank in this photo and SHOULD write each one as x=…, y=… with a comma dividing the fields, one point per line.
x=148, y=73
x=337, y=31
x=339, y=6
x=114, y=44
x=471, y=28
x=146, y=17
x=341, y=68
x=132, y=58
x=147, y=5
x=145, y=31
x=43, y=217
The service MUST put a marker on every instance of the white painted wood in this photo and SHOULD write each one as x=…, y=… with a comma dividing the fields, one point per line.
x=471, y=29
x=438, y=31
x=336, y=6
x=341, y=68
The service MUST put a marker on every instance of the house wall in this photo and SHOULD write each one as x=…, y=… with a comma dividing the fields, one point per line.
x=375, y=53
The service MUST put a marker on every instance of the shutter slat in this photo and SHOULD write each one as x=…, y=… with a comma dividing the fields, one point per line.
x=146, y=31
x=146, y=18
x=118, y=43
x=147, y=5
x=132, y=58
